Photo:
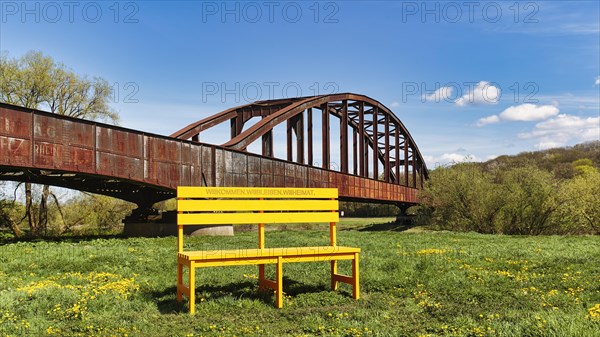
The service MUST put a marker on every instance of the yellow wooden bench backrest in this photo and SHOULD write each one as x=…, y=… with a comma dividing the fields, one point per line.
x=254, y=205
x=231, y=205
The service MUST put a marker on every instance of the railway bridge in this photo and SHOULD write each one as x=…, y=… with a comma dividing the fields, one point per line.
x=347, y=141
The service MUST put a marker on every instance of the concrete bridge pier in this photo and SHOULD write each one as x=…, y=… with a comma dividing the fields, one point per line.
x=149, y=222
x=404, y=218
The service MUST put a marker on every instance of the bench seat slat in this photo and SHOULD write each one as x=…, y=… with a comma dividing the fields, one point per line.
x=269, y=260
x=256, y=205
x=267, y=256
x=254, y=218
x=255, y=252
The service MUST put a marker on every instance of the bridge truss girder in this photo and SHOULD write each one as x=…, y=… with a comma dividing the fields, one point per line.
x=375, y=132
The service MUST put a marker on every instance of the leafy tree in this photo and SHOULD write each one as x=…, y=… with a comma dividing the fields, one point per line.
x=529, y=201
x=26, y=81
x=583, y=162
x=87, y=210
x=580, y=212
x=461, y=197
x=8, y=213
x=37, y=81
x=514, y=197
x=559, y=161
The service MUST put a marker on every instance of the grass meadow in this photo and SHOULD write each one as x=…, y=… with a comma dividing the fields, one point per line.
x=413, y=283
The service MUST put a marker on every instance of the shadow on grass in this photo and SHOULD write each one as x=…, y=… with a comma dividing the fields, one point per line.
x=166, y=300
x=400, y=225
x=70, y=239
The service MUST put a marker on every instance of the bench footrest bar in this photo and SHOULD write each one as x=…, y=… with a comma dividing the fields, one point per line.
x=183, y=290
x=343, y=278
x=266, y=283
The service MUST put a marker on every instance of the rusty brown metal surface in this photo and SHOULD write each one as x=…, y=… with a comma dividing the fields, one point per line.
x=145, y=168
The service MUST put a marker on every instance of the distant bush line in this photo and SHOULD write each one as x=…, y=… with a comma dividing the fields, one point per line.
x=547, y=192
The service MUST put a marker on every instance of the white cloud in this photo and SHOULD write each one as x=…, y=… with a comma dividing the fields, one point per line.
x=597, y=81
x=581, y=28
x=482, y=93
x=529, y=112
x=488, y=120
x=441, y=94
x=448, y=158
x=394, y=105
x=547, y=145
x=562, y=129
x=569, y=101
x=525, y=112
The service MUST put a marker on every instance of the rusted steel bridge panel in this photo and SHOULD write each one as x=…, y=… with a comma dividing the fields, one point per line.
x=15, y=138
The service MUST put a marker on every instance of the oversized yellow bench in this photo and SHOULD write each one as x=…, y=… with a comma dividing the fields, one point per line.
x=218, y=205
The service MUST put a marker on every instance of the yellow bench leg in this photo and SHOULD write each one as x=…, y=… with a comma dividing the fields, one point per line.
x=279, y=281
x=334, y=282
x=192, y=285
x=179, y=281
x=355, y=278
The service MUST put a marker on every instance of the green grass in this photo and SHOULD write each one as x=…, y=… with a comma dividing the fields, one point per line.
x=413, y=284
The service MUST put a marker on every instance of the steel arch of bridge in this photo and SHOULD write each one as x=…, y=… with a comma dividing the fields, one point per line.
x=372, y=125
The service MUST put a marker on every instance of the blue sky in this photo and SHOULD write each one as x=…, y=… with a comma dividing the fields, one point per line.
x=467, y=78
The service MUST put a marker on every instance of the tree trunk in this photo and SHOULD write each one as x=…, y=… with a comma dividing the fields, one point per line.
x=43, y=211
x=28, y=208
